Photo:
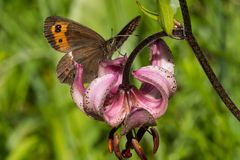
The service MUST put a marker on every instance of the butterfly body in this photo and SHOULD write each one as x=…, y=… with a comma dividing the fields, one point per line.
x=82, y=45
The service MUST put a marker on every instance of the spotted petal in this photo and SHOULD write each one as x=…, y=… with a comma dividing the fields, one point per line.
x=162, y=81
x=115, y=112
x=138, y=117
x=161, y=56
x=78, y=90
x=113, y=67
x=96, y=93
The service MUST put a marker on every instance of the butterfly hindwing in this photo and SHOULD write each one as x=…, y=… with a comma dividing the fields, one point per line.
x=66, y=69
x=90, y=59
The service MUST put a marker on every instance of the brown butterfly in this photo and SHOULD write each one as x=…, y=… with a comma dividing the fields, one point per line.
x=82, y=45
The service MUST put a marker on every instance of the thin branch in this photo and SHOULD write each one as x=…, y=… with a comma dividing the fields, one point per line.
x=204, y=62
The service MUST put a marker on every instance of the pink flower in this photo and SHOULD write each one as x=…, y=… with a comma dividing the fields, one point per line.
x=107, y=99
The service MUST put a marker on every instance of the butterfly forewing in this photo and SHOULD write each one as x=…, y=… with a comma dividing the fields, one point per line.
x=66, y=35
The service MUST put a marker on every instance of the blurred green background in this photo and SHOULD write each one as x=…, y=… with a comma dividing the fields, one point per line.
x=38, y=119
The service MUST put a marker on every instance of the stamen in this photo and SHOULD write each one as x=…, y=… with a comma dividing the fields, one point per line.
x=110, y=139
x=140, y=133
x=137, y=147
x=116, y=147
x=155, y=139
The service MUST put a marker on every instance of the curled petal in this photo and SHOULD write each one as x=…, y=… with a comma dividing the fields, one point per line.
x=149, y=90
x=115, y=113
x=96, y=93
x=77, y=89
x=157, y=107
x=163, y=81
x=161, y=56
x=161, y=76
x=113, y=67
x=138, y=117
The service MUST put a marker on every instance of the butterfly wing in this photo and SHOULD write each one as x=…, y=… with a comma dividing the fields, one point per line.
x=66, y=35
x=84, y=44
x=117, y=41
x=90, y=59
x=66, y=69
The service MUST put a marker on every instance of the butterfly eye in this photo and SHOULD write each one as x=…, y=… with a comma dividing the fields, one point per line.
x=58, y=28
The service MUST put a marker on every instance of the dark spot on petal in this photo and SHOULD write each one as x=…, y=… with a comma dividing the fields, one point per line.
x=60, y=40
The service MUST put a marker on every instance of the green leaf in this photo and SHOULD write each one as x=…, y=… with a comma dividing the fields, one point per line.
x=175, y=5
x=166, y=16
x=149, y=13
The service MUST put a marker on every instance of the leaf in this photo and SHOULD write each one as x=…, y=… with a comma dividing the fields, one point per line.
x=166, y=16
x=147, y=12
x=175, y=5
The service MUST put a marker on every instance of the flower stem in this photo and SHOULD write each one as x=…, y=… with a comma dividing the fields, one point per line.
x=178, y=33
x=204, y=62
x=140, y=46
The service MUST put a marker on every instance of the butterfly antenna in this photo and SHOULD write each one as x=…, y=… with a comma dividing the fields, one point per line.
x=127, y=35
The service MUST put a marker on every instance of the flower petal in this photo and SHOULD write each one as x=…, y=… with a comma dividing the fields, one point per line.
x=113, y=67
x=96, y=93
x=157, y=107
x=161, y=55
x=77, y=89
x=148, y=89
x=115, y=113
x=163, y=81
x=138, y=117
x=158, y=74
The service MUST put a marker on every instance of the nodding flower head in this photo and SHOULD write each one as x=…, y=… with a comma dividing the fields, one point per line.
x=127, y=106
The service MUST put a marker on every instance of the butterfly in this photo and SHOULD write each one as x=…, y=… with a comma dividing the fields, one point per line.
x=82, y=45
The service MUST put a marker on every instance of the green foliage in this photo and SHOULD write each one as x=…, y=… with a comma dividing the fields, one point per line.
x=166, y=15
x=151, y=14
x=38, y=119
